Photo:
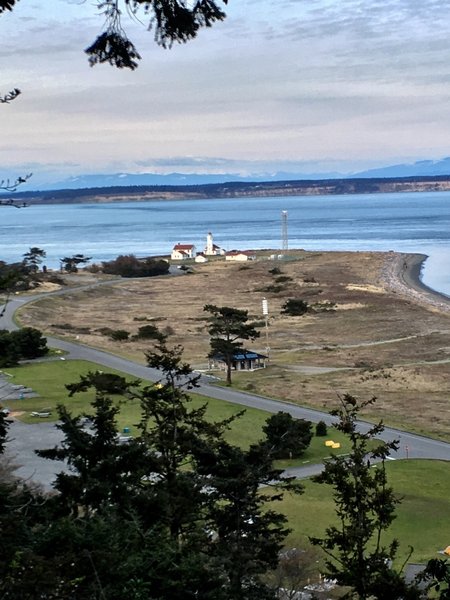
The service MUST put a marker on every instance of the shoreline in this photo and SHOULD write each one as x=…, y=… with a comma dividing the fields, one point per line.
x=141, y=192
x=403, y=275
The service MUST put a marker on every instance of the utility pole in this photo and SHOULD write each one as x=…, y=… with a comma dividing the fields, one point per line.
x=265, y=310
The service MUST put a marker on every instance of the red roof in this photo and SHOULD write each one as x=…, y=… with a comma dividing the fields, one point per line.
x=183, y=246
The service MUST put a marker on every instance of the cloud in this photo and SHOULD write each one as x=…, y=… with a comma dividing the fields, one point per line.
x=279, y=79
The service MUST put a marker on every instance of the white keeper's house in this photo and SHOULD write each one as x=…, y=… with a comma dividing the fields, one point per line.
x=183, y=251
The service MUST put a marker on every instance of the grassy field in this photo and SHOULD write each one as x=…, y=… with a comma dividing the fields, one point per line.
x=424, y=486
x=389, y=346
x=422, y=517
x=48, y=379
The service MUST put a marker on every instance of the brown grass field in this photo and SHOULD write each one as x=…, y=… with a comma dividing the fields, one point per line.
x=381, y=340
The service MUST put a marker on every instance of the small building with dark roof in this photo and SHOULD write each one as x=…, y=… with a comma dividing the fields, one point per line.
x=243, y=360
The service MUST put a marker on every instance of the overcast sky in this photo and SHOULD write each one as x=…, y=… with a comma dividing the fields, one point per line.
x=298, y=85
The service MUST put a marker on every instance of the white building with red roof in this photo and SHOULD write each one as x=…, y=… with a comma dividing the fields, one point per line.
x=183, y=251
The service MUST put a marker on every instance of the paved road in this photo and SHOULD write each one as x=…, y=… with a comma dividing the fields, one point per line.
x=26, y=437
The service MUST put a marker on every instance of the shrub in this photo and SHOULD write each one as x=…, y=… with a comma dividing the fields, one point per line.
x=55, y=279
x=105, y=330
x=149, y=332
x=168, y=330
x=275, y=271
x=26, y=343
x=319, y=307
x=110, y=383
x=94, y=268
x=72, y=328
x=119, y=335
x=29, y=342
x=258, y=324
x=287, y=437
x=63, y=326
x=283, y=279
x=9, y=355
x=321, y=429
x=295, y=307
x=273, y=289
x=130, y=266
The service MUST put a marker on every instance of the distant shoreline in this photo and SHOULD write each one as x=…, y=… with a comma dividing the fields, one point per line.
x=233, y=189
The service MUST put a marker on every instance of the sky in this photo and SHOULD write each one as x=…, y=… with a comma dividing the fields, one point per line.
x=304, y=86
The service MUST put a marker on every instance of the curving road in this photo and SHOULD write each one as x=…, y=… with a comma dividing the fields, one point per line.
x=26, y=438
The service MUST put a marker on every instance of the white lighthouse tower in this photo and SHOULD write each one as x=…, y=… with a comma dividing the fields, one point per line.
x=209, y=250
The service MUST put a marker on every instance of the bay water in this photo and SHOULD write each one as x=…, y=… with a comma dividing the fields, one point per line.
x=410, y=222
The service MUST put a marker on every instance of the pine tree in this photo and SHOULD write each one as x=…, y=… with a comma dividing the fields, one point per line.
x=227, y=328
x=365, y=506
x=200, y=524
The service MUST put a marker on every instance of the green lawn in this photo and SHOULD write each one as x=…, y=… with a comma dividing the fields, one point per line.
x=422, y=517
x=48, y=379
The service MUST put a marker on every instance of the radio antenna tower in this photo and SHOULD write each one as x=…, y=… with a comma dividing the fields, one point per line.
x=284, y=231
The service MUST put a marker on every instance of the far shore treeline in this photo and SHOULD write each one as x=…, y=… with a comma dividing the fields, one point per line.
x=321, y=187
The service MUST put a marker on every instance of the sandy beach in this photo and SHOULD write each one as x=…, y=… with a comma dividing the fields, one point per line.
x=402, y=274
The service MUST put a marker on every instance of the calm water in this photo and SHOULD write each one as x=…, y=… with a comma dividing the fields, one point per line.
x=401, y=222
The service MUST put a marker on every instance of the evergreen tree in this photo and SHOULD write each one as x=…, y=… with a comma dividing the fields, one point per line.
x=227, y=328
x=103, y=472
x=176, y=513
x=33, y=258
x=4, y=426
x=26, y=343
x=287, y=437
x=437, y=577
x=70, y=264
x=172, y=21
x=9, y=354
x=29, y=342
x=365, y=506
x=247, y=534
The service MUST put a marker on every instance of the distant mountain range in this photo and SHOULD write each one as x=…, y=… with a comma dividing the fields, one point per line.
x=176, y=179
x=424, y=168
x=423, y=176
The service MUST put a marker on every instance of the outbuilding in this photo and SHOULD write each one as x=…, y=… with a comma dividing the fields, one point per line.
x=240, y=255
x=201, y=258
x=243, y=360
